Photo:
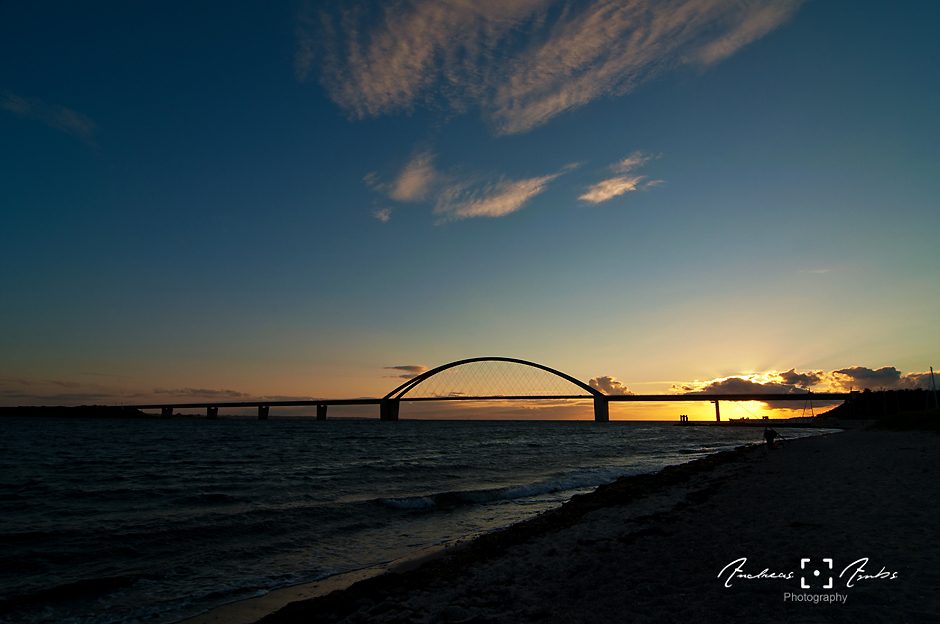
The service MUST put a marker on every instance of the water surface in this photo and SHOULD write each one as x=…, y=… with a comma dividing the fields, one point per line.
x=157, y=520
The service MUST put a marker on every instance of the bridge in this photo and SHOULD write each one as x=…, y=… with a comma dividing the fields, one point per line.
x=489, y=379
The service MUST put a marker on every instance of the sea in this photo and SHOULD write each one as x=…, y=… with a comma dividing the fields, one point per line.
x=152, y=520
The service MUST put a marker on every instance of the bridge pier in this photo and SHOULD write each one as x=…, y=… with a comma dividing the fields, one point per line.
x=263, y=412
x=717, y=413
x=321, y=412
x=166, y=412
x=212, y=413
x=388, y=409
x=601, y=409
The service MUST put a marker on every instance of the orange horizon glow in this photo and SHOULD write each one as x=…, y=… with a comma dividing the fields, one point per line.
x=100, y=391
x=703, y=411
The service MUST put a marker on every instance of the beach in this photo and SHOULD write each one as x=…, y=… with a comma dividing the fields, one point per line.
x=736, y=536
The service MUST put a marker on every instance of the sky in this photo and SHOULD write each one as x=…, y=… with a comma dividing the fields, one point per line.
x=235, y=200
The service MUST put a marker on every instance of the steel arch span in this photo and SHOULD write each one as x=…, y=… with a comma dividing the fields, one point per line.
x=522, y=380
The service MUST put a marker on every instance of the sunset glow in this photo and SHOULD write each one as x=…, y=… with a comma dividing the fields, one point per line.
x=311, y=200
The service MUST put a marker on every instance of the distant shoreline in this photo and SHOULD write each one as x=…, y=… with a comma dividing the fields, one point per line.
x=87, y=411
x=863, y=406
x=129, y=413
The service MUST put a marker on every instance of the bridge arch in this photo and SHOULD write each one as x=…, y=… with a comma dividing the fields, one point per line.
x=390, y=402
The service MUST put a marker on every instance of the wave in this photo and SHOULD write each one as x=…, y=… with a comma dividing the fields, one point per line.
x=362, y=437
x=209, y=499
x=457, y=498
x=76, y=590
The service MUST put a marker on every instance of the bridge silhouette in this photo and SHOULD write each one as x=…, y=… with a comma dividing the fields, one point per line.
x=494, y=379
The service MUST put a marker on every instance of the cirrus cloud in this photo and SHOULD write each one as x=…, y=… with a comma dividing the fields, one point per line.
x=416, y=180
x=463, y=200
x=608, y=189
x=618, y=185
x=202, y=393
x=520, y=63
x=456, y=195
x=633, y=161
x=52, y=115
x=382, y=214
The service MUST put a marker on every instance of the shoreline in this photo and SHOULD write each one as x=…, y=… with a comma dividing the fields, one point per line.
x=652, y=547
x=250, y=610
x=492, y=544
x=796, y=422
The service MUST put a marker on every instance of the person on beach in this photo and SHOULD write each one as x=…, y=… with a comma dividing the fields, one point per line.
x=769, y=435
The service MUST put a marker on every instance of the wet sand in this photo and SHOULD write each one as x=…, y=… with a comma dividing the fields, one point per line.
x=651, y=548
x=251, y=610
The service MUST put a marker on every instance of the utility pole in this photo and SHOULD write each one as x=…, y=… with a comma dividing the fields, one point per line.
x=932, y=392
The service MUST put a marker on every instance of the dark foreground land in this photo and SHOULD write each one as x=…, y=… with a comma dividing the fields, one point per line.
x=652, y=548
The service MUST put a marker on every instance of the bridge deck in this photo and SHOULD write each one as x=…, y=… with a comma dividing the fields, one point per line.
x=813, y=396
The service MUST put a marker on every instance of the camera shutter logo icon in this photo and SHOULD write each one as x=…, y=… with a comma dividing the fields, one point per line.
x=816, y=573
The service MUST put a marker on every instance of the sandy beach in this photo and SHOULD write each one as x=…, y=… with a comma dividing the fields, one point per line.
x=718, y=539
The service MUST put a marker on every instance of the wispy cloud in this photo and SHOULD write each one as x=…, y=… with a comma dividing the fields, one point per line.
x=457, y=195
x=634, y=161
x=20, y=391
x=52, y=115
x=22, y=381
x=287, y=397
x=162, y=394
x=107, y=375
x=522, y=62
x=415, y=181
x=610, y=188
x=382, y=214
x=409, y=371
x=747, y=26
x=12, y=397
x=65, y=384
x=203, y=393
x=29, y=391
x=618, y=185
x=463, y=200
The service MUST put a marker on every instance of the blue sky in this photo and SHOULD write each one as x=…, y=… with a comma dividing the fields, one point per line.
x=283, y=200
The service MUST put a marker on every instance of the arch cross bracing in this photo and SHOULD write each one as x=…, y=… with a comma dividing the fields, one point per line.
x=492, y=378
